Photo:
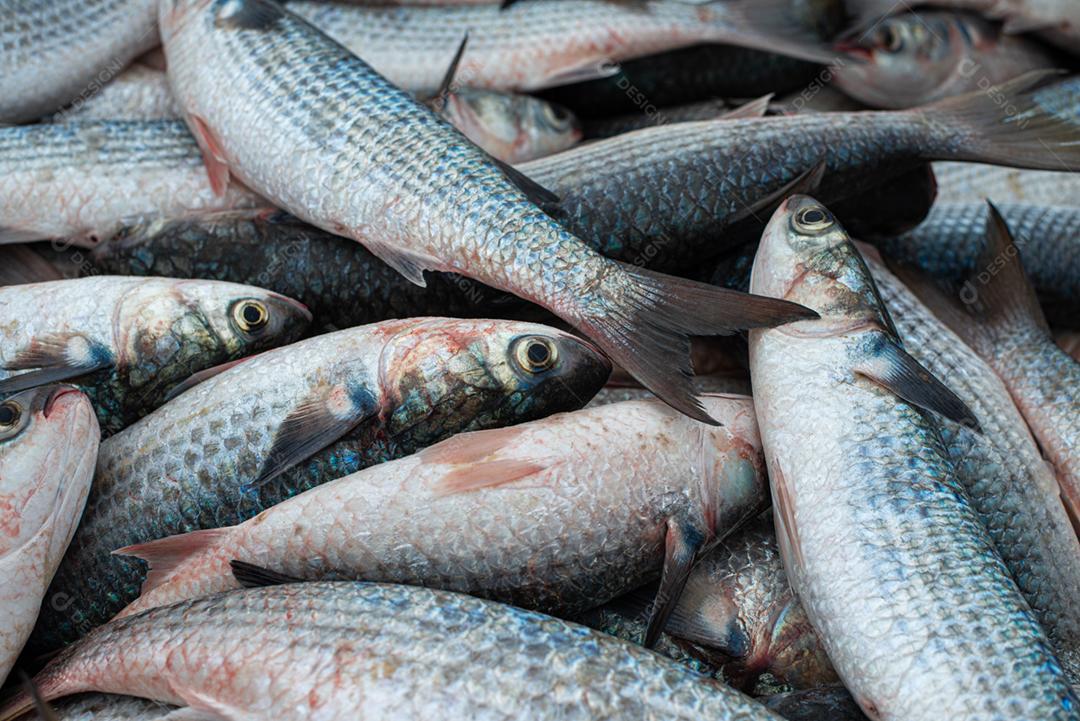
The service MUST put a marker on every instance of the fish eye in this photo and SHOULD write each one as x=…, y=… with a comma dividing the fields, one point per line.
x=891, y=39
x=10, y=413
x=813, y=219
x=251, y=316
x=535, y=354
x=556, y=114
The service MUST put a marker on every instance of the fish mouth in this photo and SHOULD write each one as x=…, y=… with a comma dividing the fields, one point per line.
x=292, y=302
x=55, y=395
x=853, y=49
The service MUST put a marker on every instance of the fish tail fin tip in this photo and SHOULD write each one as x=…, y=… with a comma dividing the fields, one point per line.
x=1005, y=125
x=648, y=333
x=166, y=554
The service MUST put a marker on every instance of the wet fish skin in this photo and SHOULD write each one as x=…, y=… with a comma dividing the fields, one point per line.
x=138, y=93
x=582, y=525
x=917, y=58
x=80, y=181
x=195, y=463
x=55, y=51
x=947, y=245
x=512, y=127
x=885, y=552
x=1002, y=469
x=48, y=442
x=540, y=43
x=107, y=707
x=127, y=342
x=380, y=650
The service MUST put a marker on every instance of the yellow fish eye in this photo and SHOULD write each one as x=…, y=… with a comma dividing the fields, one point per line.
x=251, y=316
x=10, y=413
x=813, y=219
x=536, y=354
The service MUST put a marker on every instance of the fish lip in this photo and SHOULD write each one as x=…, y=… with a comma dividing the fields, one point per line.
x=56, y=394
x=854, y=50
x=295, y=304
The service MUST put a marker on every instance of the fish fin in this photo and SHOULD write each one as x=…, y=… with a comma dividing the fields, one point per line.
x=165, y=554
x=753, y=109
x=45, y=712
x=787, y=532
x=648, y=334
x=314, y=424
x=1028, y=137
x=19, y=264
x=579, y=70
x=204, y=375
x=21, y=235
x=708, y=618
x=486, y=474
x=249, y=575
x=535, y=192
x=894, y=368
x=56, y=358
x=214, y=157
x=681, y=547
x=448, y=79
x=410, y=264
x=806, y=183
x=767, y=25
x=188, y=714
x=204, y=705
x=470, y=447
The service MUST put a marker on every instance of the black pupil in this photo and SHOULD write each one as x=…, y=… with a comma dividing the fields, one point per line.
x=252, y=314
x=813, y=216
x=7, y=415
x=538, y=353
x=558, y=113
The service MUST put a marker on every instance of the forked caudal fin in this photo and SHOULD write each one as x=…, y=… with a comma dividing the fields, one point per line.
x=1005, y=125
x=648, y=319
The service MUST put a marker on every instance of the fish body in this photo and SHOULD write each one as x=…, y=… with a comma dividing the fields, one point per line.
x=108, y=707
x=80, y=181
x=889, y=559
x=127, y=342
x=291, y=418
x=48, y=442
x=547, y=515
x=917, y=58
x=541, y=43
x=344, y=650
x=138, y=93
x=55, y=52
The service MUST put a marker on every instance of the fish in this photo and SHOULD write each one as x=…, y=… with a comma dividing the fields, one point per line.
x=541, y=43
x=974, y=183
x=947, y=245
x=78, y=182
x=827, y=703
x=390, y=174
x=996, y=312
x=128, y=342
x=1002, y=469
x=359, y=650
x=112, y=707
x=48, y=442
x=138, y=93
x=582, y=525
x=56, y=52
x=669, y=195
x=879, y=540
x=272, y=426
x=917, y=58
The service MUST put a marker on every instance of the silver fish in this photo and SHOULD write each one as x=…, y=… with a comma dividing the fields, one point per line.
x=918, y=613
x=321, y=651
x=358, y=157
x=55, y=52
x=48, y=443
x=138, y=93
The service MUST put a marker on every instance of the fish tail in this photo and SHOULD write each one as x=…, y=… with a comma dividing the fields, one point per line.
x=45, y=687
x=1004, y=124
x=767, y=25
x=644, y=321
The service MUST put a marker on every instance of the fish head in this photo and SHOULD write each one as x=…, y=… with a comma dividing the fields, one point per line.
x=806, y=257
x=257, y=15
x=165, y=330
x=46, y=434
x=511, y=126
x=905, y=60
x=487, y=373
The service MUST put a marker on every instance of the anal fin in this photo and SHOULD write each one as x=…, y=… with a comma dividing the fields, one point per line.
x=681, y=547
x=249, y=575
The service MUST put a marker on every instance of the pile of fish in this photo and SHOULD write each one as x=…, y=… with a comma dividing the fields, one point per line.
x=540, y=359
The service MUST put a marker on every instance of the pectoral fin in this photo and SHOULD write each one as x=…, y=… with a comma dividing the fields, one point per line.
x=891, y=366
x=213, y=155
x=680, y=551
x=409, y=264
x=56, y=358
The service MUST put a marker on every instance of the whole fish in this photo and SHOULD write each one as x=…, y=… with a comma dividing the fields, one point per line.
x=917, y=58
x=1002, y=470
x=582, y=525
x=127, y=342
x=947, y=245
x=80, y=181
x=512, y=127
x=999, y=316
x=668, y=196
x=310, y=651
x=383, y=170
x=138, y=93
x=291, y=418
x=541, y=43
x=974, y=183
x=341, y=283
x=48, y=442
x=55, y=52
x=879, y=540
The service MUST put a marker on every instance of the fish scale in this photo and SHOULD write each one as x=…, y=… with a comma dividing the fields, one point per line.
x=319, y=651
